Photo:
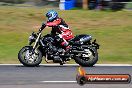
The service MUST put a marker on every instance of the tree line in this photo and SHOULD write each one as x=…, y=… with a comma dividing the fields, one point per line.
x=22, y=1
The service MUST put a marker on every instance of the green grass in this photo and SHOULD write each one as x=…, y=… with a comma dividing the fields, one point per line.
x=129, y=5
x=113, y=31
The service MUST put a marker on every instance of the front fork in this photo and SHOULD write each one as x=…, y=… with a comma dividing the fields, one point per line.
x=36, y=42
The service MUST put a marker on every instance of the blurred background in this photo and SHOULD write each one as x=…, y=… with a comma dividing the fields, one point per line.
x=70, y=4
x=109, y=21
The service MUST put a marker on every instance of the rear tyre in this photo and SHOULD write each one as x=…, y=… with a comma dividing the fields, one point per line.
x=29, y=59
x=89, y=58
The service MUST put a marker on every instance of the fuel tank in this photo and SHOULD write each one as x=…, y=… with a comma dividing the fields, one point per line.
x=81, y=39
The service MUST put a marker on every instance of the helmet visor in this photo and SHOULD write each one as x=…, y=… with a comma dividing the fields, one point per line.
x=48, y=15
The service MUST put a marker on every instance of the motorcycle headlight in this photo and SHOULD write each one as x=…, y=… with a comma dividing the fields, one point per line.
x=32, y=38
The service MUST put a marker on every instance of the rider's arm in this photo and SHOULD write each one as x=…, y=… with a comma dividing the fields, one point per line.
x=54, y=23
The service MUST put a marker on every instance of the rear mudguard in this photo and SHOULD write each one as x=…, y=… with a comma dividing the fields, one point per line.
x=96, y=45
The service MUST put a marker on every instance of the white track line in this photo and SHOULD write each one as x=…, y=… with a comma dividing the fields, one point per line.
x=113, y=65
x=58, y=81
x=71, y=65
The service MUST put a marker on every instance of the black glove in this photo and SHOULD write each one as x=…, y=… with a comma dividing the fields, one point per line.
x=42, y=27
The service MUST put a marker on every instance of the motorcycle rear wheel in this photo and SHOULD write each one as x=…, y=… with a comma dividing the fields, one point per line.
x=30, y=60
x=88, y=61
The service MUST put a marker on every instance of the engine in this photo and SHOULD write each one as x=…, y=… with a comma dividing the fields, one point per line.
x=53, y=52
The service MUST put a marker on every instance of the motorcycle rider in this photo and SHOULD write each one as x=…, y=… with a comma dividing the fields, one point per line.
x=60, y=29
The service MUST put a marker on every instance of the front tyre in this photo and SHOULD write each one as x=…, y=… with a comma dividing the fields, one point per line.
x=87, y=59
x=29, y=58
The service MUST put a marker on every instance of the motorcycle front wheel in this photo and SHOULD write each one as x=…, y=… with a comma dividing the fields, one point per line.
x=29, y=58
x=87, y=59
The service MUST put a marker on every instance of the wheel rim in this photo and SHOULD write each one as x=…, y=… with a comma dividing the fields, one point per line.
x=28, y=57
x=89, y=55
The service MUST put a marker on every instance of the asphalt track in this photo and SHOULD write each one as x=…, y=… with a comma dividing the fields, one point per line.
x=55, y=76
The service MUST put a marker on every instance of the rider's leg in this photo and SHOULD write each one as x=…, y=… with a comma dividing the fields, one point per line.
x=64, y=43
